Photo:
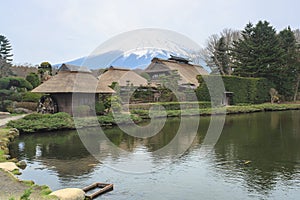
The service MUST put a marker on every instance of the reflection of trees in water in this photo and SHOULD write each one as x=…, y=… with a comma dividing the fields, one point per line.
x=269, y=141
x=62, y=152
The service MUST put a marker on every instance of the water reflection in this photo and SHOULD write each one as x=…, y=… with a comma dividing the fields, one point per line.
x=258, y=153
x=261, y=150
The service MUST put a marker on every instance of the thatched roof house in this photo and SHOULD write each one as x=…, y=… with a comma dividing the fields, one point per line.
x=123, y=77
x=72, y=79
x=187, y=72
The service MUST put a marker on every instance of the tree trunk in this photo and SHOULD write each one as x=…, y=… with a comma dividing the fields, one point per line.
x=297, y=88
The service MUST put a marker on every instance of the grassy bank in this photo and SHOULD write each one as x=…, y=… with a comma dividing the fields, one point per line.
x=29, y=189
x=219, y=110
x=62, y=121
x=6, y=135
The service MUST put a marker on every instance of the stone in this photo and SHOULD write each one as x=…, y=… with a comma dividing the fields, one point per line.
x=14, y=132
x=8, y=166
x=4, y=113
x=22, y=164
x=69, y=194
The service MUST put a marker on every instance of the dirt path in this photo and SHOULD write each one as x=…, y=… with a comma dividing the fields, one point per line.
x=10, y=186
x=5, y=120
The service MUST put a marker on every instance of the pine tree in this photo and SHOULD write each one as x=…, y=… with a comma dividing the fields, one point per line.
x=5, y=57
x=258, y=52
x=288, y=79
x=5, y=49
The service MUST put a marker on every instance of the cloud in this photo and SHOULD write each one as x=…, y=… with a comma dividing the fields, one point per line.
x=63, y=30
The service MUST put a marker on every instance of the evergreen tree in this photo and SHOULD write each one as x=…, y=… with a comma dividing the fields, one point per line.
x=288, y=71
x=258, y=52
x=5, y=49
x=5, y=57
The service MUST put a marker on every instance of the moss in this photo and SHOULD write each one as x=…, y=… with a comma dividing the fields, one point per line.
x=45, y=190
x=4, y=132
x=28, y=183
x=16, y=172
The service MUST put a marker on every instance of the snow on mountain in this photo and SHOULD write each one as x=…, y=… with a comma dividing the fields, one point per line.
x=132, y=60
x=138, y=59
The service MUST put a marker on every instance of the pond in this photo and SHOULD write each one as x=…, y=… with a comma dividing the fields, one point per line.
x=256, y=157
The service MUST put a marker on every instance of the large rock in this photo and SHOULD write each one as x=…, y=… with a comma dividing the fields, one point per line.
x=4, y=113
x=69, y=194
x=8, y=166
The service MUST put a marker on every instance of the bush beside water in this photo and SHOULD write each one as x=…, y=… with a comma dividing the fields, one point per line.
x=51, y=122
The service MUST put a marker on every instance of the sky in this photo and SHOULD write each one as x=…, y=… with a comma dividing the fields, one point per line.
x=62, y=30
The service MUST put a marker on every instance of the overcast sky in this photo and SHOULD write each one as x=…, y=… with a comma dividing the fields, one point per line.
x=63, y=30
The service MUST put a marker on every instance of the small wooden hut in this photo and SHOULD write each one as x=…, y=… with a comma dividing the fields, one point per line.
x=72, y=87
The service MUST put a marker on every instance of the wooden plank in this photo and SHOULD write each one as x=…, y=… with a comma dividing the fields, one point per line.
x=105, y=187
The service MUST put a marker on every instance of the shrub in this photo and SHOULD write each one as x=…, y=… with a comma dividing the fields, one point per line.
x=43, y=122
x=99, y=108
x=7, y=82
x=172, y=105
x=4, y=83
x=31, y=97
x=245, y=90
x=28, y=105
x=33, y=79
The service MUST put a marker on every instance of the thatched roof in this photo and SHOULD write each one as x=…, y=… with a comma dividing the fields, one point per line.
x=73, y=68
x=72, y=81
x=188, y=72
x=122, y=77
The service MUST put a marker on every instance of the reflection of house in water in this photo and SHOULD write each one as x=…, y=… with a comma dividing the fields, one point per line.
x=187, y=72
x=72, y=80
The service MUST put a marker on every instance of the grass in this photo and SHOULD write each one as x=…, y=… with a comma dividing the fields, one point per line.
x=4, y=143
x=61, y=121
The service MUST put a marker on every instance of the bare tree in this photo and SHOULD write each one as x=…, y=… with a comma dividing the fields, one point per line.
x=218, y=48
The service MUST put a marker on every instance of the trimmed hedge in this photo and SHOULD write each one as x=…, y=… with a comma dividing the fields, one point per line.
x=171, y=105
x=246, y=90
x=28, y=105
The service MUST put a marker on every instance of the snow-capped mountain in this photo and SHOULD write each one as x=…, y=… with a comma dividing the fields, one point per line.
x=136, y=48
x=138, y=59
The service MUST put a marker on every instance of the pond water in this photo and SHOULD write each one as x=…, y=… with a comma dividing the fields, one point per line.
x=256, y=157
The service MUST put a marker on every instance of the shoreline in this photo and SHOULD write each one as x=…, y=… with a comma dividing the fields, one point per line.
x=37, y=123
x=5, y=136
x=11, y=186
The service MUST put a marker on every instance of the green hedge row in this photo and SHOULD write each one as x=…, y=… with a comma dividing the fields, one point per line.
x=172, y=105
x=245, y=90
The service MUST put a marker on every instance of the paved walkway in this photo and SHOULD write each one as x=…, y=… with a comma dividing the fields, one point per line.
x=4, y=121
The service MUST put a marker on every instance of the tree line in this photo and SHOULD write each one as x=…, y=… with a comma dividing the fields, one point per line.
x=258, y=51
